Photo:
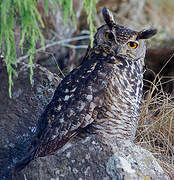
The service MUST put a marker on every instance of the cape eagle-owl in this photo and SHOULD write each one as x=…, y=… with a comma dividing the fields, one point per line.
x=104, y=92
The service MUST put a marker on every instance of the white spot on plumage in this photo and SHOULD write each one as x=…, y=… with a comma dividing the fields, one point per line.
x=89, y=97
x=87, y=117
x=90, y=88
x=58, y=108
x=81, y=106
x=73, y=89
x=54, y=136
x=66, y=98
x=68, y=155
x=61, y=120
x=67, y=90
x=92, y=105
x=71, y=112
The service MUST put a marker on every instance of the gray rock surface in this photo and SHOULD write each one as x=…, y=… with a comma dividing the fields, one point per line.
x=91, y=159
x=19, y=115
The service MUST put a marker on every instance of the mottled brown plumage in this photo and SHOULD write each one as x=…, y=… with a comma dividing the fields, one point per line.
x=104, y=92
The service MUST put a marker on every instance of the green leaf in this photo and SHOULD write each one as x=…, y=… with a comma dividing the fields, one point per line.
x=90, y=8
x=25, y=15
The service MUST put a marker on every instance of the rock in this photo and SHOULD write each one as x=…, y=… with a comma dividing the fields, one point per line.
x=19, y=115
x=156, y=59
x=90, y=158
x=160, y=62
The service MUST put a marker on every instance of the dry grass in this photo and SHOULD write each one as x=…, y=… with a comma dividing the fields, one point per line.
x=156, y=126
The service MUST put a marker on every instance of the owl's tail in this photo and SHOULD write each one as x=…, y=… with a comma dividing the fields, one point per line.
x=23, y=163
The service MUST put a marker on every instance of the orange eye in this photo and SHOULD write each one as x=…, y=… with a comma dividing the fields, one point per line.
x=109, y=36
x=132, y=44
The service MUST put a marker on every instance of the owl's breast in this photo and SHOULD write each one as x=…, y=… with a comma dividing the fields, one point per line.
x=119, y=114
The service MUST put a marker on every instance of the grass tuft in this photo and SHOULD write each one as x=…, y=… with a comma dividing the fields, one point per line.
x=156, y=126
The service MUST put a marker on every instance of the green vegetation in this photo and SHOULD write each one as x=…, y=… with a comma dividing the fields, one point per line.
x=25, y=15
x=90, y=8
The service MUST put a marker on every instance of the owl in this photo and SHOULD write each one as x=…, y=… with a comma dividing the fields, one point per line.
x=103, y=94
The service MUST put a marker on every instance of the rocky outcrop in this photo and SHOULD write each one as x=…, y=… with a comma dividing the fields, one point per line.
x=19, y=115
x=90, y=158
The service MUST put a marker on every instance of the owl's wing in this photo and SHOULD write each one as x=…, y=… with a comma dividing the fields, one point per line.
x=71, y=108
x=72, y=105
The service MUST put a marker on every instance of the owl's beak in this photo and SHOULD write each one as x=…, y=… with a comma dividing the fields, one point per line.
x=117, y=49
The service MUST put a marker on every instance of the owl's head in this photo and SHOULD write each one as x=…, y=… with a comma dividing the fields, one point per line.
x=120, y=40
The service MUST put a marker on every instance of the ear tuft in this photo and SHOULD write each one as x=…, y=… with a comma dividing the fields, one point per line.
x=146, y=34
x=108, y=17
